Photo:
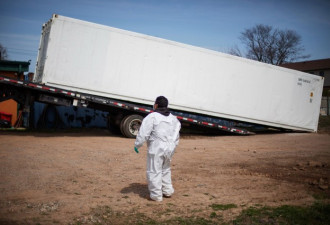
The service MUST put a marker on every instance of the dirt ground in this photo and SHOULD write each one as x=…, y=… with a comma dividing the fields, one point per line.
x=57, y=178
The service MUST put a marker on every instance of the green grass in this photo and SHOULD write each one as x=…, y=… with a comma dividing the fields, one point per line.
x=213, y=215
x=317, y=214
x=223, y=207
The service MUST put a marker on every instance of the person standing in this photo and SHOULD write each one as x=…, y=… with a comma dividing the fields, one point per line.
x=160, y=129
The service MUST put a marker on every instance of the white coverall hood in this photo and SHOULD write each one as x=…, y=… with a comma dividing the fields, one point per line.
x=162, y=136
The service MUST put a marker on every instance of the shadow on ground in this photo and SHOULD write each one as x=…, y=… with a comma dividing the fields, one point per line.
x=136, y=188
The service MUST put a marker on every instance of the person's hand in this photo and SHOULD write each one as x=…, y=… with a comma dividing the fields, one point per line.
x=136, y=150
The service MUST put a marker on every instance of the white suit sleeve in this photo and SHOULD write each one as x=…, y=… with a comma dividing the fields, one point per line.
x=145, y=131
x=177, y=133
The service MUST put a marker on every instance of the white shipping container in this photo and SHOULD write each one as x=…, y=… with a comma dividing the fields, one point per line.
x=105, y=61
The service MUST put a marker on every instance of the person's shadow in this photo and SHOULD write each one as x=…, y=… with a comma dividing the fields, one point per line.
x=136, y=188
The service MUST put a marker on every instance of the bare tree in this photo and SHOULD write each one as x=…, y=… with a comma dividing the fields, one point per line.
x=266, y=44
x=3, y=52
x=235, y=51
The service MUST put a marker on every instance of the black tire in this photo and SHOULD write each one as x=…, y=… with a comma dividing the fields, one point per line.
x=121, y=127
x=130, y=125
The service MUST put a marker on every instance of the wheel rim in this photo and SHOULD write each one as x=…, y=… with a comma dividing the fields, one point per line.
x=134, y=126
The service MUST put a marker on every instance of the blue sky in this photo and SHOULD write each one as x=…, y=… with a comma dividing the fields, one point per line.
x=212, y=24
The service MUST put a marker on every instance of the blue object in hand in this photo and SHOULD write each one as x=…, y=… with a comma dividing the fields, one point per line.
x=136, y=150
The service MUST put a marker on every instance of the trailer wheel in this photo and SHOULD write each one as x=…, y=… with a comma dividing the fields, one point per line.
x=130, y=125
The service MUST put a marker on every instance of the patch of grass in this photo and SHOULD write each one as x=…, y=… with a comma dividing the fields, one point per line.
x=213, y=215
x=315, y=214
x=168, y=210
x=170, y=204
x=223, y=207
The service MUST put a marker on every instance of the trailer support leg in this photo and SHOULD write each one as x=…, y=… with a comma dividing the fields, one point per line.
x=26, y=110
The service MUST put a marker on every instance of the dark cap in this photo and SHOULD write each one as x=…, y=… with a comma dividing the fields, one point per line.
x=161, y=101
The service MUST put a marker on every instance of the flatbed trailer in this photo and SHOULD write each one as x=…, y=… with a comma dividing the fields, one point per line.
x=123, y=114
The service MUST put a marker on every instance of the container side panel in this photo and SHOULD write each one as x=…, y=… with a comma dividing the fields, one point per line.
x=113, y=63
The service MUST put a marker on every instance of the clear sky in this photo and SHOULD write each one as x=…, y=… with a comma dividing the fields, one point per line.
x=212, y=24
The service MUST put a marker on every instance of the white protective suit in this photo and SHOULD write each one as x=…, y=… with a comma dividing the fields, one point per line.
x=162, y=136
